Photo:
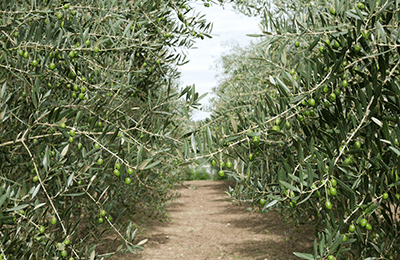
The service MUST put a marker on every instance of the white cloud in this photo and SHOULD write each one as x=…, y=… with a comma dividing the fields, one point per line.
x=228, y=25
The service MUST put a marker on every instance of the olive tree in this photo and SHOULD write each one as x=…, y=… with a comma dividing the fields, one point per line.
x=310, y=119
x=90, y=121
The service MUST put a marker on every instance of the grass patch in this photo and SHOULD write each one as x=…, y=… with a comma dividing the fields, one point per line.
x=199, y=173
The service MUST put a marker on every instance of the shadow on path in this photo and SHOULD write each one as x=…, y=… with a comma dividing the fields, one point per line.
x=206, y=225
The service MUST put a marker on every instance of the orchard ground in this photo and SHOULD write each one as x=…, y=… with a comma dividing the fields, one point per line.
x=206, y=224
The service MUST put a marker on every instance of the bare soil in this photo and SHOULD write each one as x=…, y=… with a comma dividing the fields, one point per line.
x=206, y=224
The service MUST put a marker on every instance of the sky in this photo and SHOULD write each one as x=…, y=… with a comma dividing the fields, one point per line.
x=228, y=26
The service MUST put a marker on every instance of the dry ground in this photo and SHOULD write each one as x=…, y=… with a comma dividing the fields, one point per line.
x=205, y=224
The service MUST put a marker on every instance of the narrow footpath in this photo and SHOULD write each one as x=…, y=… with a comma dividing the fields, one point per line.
x=206, y=224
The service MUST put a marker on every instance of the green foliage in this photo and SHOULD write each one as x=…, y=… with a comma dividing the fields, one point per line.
x=199, y=173
x=82, y=81
x=309, y=116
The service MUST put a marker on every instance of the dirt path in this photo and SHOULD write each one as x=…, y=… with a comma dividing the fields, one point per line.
x=205, y=224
